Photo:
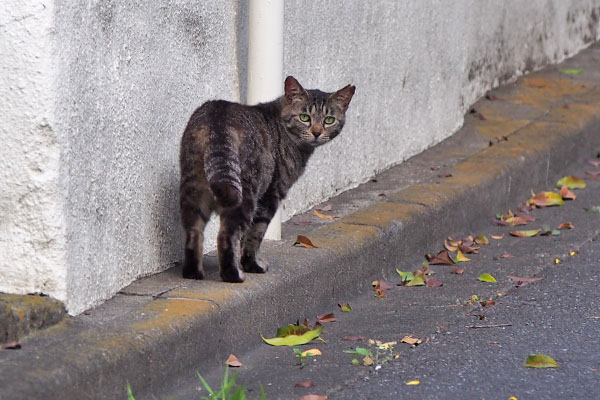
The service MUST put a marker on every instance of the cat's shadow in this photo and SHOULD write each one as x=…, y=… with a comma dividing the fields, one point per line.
x=211, y=268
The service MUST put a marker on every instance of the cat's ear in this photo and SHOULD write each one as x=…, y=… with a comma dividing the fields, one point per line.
x=293, y=90
x=343, y=96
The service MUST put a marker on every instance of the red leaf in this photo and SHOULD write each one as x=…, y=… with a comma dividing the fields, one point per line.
x=312, y=397
x=326, y=317
x=566, y=225
x=433, y=283
x=457, y=270
x=507, y=256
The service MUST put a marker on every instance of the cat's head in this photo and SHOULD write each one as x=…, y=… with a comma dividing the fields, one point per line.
x=313, y=117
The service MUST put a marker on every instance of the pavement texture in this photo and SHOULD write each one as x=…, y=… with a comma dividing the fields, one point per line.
x=158, y=331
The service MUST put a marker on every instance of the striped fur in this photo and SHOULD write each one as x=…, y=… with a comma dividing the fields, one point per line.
x=240, y=161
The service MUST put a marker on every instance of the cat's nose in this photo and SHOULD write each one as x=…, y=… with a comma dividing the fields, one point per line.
x=316, y=134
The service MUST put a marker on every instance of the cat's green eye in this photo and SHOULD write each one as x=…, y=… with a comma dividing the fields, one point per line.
x=304, y=117
x=329, y=120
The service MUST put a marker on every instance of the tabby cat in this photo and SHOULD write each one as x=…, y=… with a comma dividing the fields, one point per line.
x=240, y=161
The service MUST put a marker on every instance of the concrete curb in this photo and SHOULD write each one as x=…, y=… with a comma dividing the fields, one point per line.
x=517, y=139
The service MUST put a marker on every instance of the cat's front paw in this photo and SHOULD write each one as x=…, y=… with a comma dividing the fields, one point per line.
x=233, y=275
x=255, y=266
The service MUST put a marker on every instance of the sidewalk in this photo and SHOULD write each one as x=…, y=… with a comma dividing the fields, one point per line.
x=520, y=137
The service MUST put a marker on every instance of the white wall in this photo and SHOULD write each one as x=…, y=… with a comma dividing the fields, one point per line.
x=32, y=224
x=95, y=96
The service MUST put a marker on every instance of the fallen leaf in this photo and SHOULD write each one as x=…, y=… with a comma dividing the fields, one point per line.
x=411, y=340
x=594, y=174
x=433, y=283
x=305, y=384
x=304, y=241
x=557, y=261
x=468, y=249
x=311, y=353
x=571, y=182
x=457, y=270
x=382, y=285
x=573, y=252
x=567, y=194
x=412, y=383
x=460, y=257
x=406, y=276
x=312, y=397
x=442, y=258
x=12, y=346
x=292, y=330
x=524, y=220
x=570, y=71
x=294, y=340
x=485, y=277
x=506, y=255
x=497, y=237
x=321, y=215
x=521, y=281
x=528, y=233
x=330, y=317
x=546, y=199
x=540, y=361
x=368, y=361
x=449, y=246
x=595, y=163
x=546, y=231
x=566, y=225
x=418, y=280
x=481, y=239
x=354, y=338
x=233, y=361
x=346, y=307
x=594, y=210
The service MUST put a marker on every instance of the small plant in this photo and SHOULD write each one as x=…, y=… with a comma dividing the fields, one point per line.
x=378, y=353
x=228, y=390
x=129, y=392
x=301, y=356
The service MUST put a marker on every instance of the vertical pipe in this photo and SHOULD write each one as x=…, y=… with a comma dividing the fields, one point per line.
x=265, y=65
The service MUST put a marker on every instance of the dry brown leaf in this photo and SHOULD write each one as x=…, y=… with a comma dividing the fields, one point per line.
x=457, y=270
x=526, y=234
x=449, y=246
x=468, y=249
x=354, y=338
x=497, y=237
x=321, y=215
x=433, y=283
x=304, y=384
x=330, y=317
x=312, y=353
x=411, y=340
x=566, y=225
x=304, y=241
x=567, y=194
x=442, y=258
x=507, y=256
x=233, y=361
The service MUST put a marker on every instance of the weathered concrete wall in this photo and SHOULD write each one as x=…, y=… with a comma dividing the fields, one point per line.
x=32, y=245
x=102, y=90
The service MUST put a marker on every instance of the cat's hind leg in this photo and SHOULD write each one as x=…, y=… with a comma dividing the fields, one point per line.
x=194, y=238
x=251, y=262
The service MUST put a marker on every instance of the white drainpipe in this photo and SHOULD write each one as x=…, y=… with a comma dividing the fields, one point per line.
x=265, y=65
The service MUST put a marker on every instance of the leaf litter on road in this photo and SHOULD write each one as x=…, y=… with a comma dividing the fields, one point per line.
x=545, y=199
x=293, y=339
x=304, y=241
x=540, y=361
x=485, y=277
x=526, y=233
x=571, y=182
x=233, y=361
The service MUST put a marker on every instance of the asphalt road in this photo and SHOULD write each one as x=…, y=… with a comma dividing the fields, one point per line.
x=468, y=351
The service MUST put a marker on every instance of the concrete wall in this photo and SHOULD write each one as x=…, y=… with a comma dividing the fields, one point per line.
x=101, y=90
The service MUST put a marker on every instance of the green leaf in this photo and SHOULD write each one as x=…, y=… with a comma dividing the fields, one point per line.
x=418, y=280
x=291, y=329
x=527, y=233
x=595, y=209
x=129, y=392
x=540, y=361
x=361, y=351
x=345, y=307
x=486, y=278
x=406, y=276
x=481, y=239
x=571, y=182
x=294, y=340
x=355, y=361
x=571, y=71
x=546, y=199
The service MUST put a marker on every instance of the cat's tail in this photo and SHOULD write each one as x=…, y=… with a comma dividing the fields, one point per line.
x=222, y=166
